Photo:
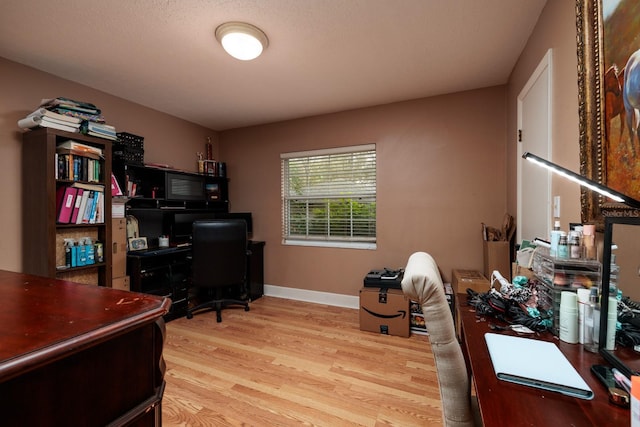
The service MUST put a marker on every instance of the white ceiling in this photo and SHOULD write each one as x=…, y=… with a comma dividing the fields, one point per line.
x=323, y=56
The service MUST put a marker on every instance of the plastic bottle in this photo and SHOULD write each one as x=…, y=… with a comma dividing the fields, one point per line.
x=569, y=317
x=588, y=325
x=90, y=250
x=575, y=250
x=612, y=318
x=74, y=253
x=613, y=276
x=589, y=241
x=99, y=252
x=583, y=301
x=555, y=239
x=563, y=246
x=68, y=243
x=82, y=253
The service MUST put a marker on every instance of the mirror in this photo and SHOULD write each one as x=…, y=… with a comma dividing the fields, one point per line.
x=624, y=234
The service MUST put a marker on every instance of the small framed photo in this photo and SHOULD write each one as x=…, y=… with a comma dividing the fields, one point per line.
x=137, y=243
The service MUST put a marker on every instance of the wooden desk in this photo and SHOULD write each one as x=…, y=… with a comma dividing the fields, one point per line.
x=75, y=354
x=506, y=404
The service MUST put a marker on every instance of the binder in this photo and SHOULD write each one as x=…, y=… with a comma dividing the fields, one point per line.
x=83, y=206
x=535, y=363
x=76, y=207
x=66, y=199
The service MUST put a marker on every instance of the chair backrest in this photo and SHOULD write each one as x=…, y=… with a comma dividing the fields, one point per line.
x=422, y=283
x=219, y=252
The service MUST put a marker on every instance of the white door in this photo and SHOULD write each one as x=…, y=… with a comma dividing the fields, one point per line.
x=534, y=136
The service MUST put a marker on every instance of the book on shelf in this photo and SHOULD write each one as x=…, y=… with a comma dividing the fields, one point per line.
x=71, y=104
x=43, y=112
x=76, y=206
x=32, y=122
x=87, y=186
x=83, y=206
x=100, y=130
x=88, y=207
x=80, y=147
x=97, y=200
x=65, y=201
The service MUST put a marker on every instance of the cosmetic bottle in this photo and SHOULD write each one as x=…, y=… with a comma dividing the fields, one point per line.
x=569, y=317
x=583, y=302
x=589, y=241
x=555, y=239
x=589, y=318
x=563, y=246
x=575, y=251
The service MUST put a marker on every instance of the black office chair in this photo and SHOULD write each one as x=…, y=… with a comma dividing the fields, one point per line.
x=219, y=254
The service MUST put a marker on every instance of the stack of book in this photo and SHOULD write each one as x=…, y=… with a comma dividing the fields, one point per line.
x=50, y=119
x=84, y=117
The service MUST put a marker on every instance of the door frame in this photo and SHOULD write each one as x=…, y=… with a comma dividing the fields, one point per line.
x=545, y=66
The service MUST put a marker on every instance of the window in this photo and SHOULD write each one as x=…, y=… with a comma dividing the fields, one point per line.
x=329, y=197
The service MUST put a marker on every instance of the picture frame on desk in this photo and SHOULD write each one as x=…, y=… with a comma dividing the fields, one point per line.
x=138, y=243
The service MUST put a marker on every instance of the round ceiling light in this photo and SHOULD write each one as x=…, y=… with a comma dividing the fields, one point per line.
x=241, y=40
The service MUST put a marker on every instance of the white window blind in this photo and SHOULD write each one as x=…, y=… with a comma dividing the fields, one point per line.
x=329, y=195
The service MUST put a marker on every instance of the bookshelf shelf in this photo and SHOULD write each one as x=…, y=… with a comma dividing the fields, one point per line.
x=43, y=234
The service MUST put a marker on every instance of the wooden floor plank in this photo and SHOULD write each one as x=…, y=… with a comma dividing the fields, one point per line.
x=295, y=363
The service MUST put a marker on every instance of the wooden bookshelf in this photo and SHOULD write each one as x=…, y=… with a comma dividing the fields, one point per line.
x=43, y=237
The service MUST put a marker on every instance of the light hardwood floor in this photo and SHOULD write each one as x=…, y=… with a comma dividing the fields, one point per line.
x=294, y=363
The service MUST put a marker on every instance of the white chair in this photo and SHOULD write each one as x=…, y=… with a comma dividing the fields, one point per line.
x=422, y=283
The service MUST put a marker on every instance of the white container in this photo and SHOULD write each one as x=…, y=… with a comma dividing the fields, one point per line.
x=569, y=317
x=583, y=302
x=612, y=318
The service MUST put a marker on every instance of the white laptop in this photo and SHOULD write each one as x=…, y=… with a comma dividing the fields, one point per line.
x=535, y=363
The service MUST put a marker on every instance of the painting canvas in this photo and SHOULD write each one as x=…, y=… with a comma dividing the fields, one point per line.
x=621, y=85
x=608, y=43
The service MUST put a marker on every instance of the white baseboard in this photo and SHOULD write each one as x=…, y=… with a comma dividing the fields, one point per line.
x=338, y=300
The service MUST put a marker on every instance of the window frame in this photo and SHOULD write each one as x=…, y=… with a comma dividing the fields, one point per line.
x=327, y=240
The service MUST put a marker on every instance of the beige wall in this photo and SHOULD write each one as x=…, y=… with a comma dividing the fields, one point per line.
x=167, y=139
x=441, y=173
x=556, y=30
x=446, y=164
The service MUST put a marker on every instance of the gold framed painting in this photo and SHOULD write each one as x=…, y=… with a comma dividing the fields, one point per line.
x=608, y=37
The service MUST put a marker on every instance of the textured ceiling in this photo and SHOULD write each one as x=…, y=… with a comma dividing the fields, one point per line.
x=323, y=56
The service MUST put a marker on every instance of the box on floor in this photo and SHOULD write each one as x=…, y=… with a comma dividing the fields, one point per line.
x=385, y=311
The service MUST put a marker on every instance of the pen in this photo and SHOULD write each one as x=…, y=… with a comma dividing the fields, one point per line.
x=621, y=379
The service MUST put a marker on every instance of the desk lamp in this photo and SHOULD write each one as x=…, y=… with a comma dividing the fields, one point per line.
x=606, y=258
x=590, y=184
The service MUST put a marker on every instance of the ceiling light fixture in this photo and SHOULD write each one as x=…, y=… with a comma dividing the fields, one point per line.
x=241, y=40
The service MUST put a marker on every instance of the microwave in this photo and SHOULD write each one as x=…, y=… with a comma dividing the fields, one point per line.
x=184, y=187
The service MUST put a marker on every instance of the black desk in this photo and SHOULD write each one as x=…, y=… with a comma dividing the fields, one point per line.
x=167, y=273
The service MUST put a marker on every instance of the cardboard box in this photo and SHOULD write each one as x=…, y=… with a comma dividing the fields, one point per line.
x=518, y=270
x=463, y=279
x=122, y=283
x=119, y=250
x=385, y=311
x=496, y=256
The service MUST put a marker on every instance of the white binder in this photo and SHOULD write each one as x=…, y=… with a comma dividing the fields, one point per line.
x=535, y=363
